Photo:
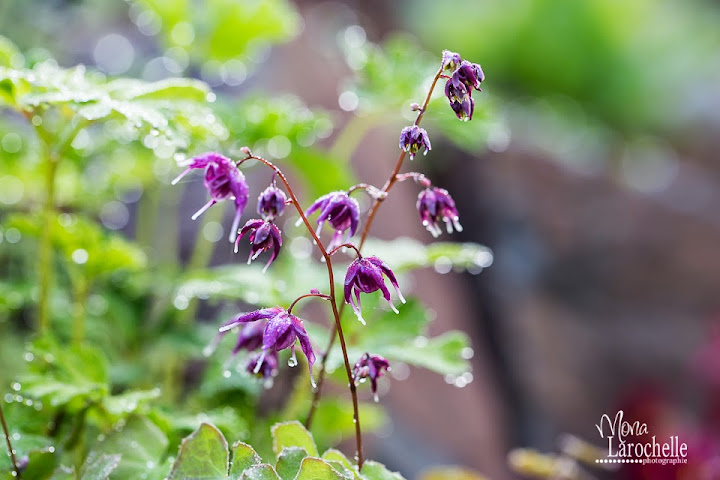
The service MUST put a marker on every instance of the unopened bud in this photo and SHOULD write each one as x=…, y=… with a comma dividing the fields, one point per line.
x=246, y=151
x=414, y=106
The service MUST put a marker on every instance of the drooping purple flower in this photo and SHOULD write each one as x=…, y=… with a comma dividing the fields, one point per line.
x=450, y=60
x=370, y=366
x=468, y=74
x=365, y=275
x=263, y=236
x=271, y=203
x=263, y=365
x=222, y=180
x=341, y=211
x=281, y=331
x=414, y=138
x=434, y=205
x=460, y=100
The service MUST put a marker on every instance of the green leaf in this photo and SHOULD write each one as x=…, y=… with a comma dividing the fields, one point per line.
x=63, y=473
x=41, y=464
x=317, y=469
x=60, y=375
x=407, y=254
x=260, y=472
x=140, y=444
x=333, y=455
x=292, y=434
x=203, y=455
x=243, y=457
x=128, y=402
x=10, y=56
x=171, y=89
x=99, y=466
x=289, y=461
x=377, y=471
x=444, y=354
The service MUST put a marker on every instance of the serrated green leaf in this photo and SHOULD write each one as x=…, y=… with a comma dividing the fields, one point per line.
x=289, y=460
x=333, y=455
x=140, y=444
x=243, y=457
x=317, y=469
x=292, y=434
x=260, y=472
x=377, y=471
x=99, y=466
x=203, y=456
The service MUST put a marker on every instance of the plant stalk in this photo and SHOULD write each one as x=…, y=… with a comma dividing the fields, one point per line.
x=371, y=217
x=8, y=443
x=333, y=303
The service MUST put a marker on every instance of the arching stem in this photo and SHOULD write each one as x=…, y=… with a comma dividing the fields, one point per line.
x=371, y=217
x=333, y=302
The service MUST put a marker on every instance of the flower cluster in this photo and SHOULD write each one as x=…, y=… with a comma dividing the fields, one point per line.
x=270, y=330
x=465, y=78
x=263, y=333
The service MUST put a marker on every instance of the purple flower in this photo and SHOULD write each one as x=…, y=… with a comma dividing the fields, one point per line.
x=460, y=99
x=435, y=204
x=468, y=74
x=412, y=139
x=263, y=365
x=341, y=211
x=271, y=203
x=281, y=331
x=263, y=236
x=450, y=60
x=222, y=180
x=365, y=275
x=370, y=366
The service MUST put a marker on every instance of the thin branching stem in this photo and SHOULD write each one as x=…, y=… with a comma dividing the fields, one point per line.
x=345, y=245
x=333, y=301
x=368, y=223
x=307, y=295
x=6, y=431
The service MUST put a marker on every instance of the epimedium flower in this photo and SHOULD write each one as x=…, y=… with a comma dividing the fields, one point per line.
x=469, y=74
x=434, y=205
x=370, y=367
x=341, y=212
x=365, y=275
x=282, y=330
x=263, y=366
x=414, y=138
x=271, y=203
x=263, y=236
x=460, y=100
x=223, y=180
x=450, y=60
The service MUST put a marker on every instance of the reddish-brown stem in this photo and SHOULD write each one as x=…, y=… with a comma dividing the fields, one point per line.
x=345, y=245
x=321, y=295
x=6, y=431
x=333, y=302
x=371, y=216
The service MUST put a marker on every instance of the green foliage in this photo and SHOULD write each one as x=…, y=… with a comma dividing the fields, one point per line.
x=292, y=434
x=204, y=454
x=224, y=30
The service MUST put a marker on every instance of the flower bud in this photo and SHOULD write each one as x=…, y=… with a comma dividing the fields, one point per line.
x=414, y=138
